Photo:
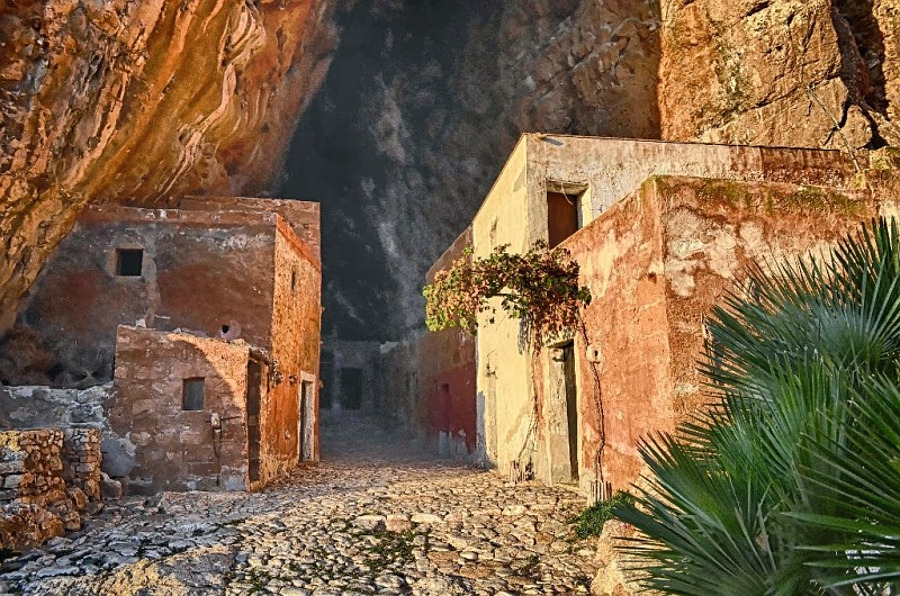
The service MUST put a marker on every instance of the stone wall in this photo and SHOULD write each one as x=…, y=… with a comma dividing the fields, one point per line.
x=49, y=478
x=37, y=406
x=174, y=448
x=82, y=460
x=302, y=216
x=348, y=360
x=67, y=324
x=295, y=322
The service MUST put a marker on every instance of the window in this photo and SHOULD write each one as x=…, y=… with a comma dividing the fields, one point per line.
x=562, y=216
x=294, y=279
x=129, y=262
x=192, y=394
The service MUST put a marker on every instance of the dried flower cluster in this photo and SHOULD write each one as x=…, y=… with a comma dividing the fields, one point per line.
x=540, y=287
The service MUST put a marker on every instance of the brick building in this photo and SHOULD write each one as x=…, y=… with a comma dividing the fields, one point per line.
x=207, y=317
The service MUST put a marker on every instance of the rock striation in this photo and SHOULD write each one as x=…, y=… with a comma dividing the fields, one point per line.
x=143, y=102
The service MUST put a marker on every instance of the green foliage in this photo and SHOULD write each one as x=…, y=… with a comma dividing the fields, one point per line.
x=540, y=287
x=790, y=483
x=591, y=519
x=390, y=548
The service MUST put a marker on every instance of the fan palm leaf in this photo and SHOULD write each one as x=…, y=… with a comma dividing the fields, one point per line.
x=790, y=482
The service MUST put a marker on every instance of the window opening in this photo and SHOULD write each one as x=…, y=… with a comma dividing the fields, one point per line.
x=562, y=216
x=192, y=393
x=129, y=262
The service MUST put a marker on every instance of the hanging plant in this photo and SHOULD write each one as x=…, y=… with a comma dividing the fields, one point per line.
x=539, y=287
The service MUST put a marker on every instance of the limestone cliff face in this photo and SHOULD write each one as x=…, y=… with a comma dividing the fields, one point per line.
x=141, y=101
x=816, y=73
x=423, y=104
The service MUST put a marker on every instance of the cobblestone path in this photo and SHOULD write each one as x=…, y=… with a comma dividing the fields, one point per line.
x=375, y=517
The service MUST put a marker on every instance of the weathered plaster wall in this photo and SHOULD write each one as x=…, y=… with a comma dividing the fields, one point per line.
x=515, y=213
x=504, y=379
x=713, y=230
x=201, y=270
x=143, y=101
x=178, y=449
x=699, y=236
x=445, y=369
x=296, y=317
x=623, y=362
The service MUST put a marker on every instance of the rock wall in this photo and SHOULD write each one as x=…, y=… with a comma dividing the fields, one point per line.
x=419, y=110
x=422, y=105
x=811, y=73
x=143, y=101
x=424, y=102
x=49, y=479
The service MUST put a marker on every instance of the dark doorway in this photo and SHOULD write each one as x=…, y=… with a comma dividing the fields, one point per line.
x=351, y=388
x=254, y=398
x=325, y=395
x=561, y=416
x=571, y=408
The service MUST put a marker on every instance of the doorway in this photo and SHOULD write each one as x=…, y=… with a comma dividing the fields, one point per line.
x=306, y=420
x=351, y=388
x=562, y=416
x=254, y=399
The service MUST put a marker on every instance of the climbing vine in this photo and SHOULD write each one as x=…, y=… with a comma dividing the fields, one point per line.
x=539, y=287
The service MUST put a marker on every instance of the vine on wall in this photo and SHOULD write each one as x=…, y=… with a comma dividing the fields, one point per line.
x=539, y=287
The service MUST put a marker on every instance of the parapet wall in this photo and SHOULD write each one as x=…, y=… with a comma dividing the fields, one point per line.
x=49, y=478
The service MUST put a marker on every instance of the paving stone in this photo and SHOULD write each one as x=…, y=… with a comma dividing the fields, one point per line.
x=375, y=517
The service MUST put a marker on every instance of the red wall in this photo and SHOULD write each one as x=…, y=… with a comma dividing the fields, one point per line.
x=453, y=411
x=448, y=358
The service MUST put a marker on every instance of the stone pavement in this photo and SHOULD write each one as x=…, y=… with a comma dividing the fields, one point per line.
x=375, y=517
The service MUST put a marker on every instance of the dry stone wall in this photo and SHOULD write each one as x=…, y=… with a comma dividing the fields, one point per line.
x=49, y=479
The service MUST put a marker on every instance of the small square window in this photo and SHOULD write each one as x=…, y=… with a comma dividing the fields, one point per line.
x=192, y=394
x=129, y=262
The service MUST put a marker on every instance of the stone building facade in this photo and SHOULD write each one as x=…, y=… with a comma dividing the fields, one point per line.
x=207, y=320
x=660, y=231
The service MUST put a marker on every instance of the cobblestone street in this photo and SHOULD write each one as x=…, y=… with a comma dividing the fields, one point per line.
x=375, y=517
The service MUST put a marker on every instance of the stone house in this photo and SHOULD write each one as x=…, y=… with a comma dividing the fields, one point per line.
x=206, y=317
x=660, y=231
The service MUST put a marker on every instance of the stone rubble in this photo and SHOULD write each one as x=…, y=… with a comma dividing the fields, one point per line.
x=375, y=518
